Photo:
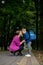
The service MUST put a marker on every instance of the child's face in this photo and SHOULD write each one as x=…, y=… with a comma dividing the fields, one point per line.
x=23, y=30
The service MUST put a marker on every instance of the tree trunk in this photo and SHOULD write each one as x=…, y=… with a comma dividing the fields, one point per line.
x=41, y=26
x=36, y=7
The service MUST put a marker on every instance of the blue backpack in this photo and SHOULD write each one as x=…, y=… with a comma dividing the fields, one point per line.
x=32, y=35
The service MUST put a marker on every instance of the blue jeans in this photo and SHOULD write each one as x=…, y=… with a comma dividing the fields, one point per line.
x=29, y=47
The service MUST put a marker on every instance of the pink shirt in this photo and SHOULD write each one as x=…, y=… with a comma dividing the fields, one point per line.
x=15, y=44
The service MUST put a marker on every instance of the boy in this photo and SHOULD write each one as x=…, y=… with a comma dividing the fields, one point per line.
x=28, y=41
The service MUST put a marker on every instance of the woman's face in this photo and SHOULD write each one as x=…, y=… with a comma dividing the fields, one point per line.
x=20, y=33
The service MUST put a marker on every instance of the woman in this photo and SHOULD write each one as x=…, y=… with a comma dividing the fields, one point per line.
x=16, y=45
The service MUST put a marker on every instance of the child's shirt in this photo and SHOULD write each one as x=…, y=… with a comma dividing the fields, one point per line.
x=26, y=37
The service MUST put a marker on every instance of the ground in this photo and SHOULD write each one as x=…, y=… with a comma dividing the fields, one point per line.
x=39, y=56
x=6, y=59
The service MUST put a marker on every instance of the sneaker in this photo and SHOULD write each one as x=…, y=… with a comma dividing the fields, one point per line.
x=11, y=54
x=19, y=54
x=28, y=55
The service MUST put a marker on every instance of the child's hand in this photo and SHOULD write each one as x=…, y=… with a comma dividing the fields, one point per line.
x=23, y=41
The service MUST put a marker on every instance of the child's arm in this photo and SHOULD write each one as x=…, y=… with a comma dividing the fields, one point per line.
x=22, y=42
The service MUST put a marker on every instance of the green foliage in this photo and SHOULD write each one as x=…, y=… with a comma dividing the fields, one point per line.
x=17, y=12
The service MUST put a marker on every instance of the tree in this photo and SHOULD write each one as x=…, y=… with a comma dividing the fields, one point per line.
x=17, y=12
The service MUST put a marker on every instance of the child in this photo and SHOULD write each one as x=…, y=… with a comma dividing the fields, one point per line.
x=16, y=45
x=28, y=41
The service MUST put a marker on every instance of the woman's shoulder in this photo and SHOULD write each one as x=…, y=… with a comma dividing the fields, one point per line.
x=15, y=37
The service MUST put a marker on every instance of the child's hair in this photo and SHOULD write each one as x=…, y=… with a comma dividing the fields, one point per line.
x=24, y=27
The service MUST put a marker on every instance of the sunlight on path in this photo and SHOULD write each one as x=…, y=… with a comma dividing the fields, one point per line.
x=34, y=61
x=23, y=61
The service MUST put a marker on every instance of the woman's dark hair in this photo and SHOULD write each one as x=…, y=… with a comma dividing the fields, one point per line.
x=17, y=30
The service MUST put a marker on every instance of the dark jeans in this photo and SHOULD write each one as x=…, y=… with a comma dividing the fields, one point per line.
x=20, y=49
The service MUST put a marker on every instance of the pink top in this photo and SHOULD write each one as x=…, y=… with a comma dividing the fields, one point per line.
x=15, y=44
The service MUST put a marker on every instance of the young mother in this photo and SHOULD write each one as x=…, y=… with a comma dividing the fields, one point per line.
x=16, y=45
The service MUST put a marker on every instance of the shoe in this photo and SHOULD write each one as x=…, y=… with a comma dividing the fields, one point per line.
x=19, y=54
x=11, y=54
x=28, y=55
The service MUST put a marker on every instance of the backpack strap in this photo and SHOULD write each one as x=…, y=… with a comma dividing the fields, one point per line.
x=29, y=34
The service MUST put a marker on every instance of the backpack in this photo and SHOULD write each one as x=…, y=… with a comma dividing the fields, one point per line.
x=32, y=35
